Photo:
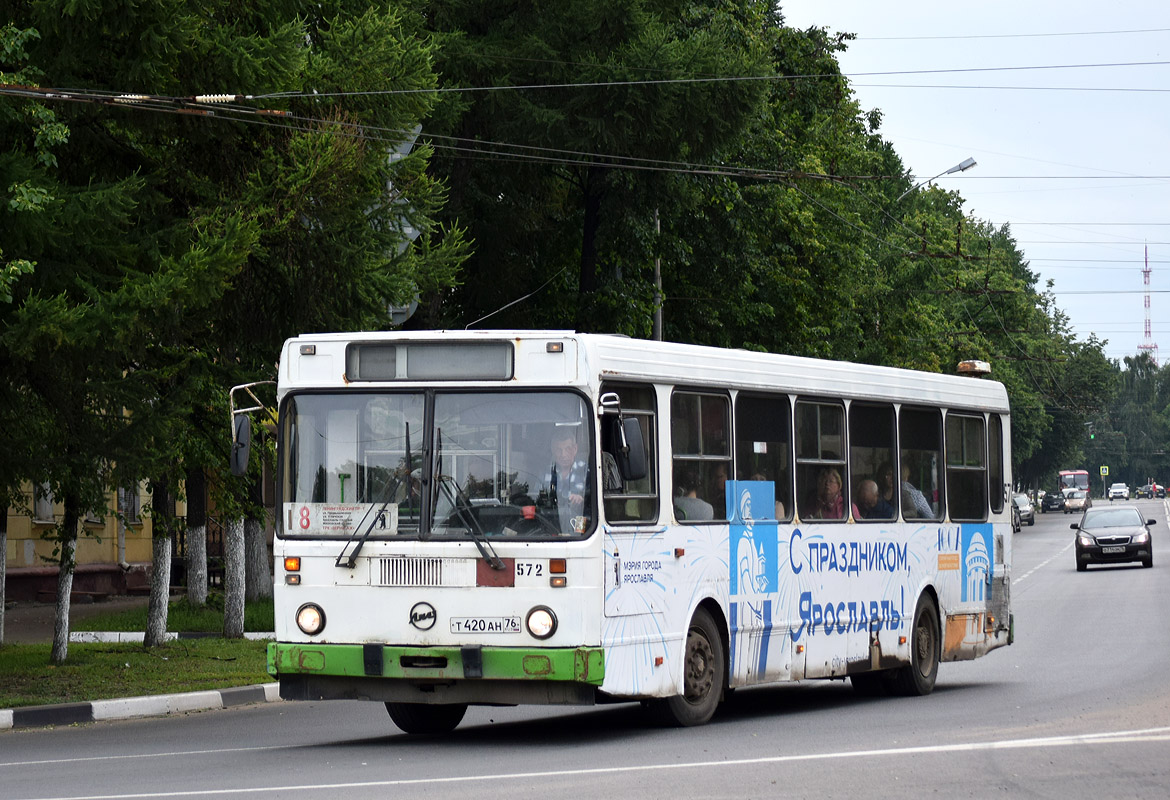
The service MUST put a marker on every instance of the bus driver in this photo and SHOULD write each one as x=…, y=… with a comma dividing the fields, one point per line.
x=564, y=484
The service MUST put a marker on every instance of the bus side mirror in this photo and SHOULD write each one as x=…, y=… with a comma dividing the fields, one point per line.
x=241, y=445
x=631, y=454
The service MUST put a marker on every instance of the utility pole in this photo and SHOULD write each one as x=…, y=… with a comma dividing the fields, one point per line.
x=657, y=328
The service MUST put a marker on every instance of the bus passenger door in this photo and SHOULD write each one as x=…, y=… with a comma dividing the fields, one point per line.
x=639, y=573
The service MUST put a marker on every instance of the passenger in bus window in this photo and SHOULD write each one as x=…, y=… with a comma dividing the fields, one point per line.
x=779, y=506
x=564, y=485
x=829, y=503
x=687, y=503
x=611, y=475
x=870, y=503
x=886, y=484
x=914, y=503
x=718, y=491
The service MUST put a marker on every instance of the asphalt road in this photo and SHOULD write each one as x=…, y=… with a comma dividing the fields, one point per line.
x=1077, y=708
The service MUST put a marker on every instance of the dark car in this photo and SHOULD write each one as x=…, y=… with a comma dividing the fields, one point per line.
x=1053, y=501
x=1159, y=490
x=1144, y=491
x=1113, y=535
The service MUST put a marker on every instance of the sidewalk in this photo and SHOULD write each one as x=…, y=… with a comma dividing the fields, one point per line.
x=32, y=623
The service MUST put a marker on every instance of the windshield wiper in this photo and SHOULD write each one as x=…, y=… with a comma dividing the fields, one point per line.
x=462, y=505
x=388, y=492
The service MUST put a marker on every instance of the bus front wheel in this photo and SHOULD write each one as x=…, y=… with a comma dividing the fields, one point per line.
x=422, y=718
x=704, y=672
x=918, y=677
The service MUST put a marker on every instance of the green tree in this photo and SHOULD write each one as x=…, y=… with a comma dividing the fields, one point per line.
x=174, y=252
x=567, y=202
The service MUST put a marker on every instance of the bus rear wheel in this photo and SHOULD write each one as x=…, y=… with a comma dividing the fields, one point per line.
x=917, y=678
x=423, y=718
x=704, y=674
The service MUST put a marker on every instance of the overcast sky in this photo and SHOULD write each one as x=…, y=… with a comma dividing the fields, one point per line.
x=1050, y=160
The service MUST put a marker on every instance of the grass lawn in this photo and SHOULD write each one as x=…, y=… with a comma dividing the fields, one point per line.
x=103, y=671
x=181, y=616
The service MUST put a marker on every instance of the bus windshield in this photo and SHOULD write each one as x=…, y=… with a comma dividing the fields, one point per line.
x=454, y=465
x=1074, y=479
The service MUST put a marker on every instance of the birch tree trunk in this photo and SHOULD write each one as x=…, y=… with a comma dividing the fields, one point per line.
x=160, y=591
x=160, y=566
x=233, y=579
x=257, y=567
x=196, y=537
x=67, y=537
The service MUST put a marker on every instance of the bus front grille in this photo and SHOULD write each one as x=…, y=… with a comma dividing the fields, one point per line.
x=414, y=571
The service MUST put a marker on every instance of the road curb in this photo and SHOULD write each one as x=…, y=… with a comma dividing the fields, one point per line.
x=133, y=707
x=136, y=637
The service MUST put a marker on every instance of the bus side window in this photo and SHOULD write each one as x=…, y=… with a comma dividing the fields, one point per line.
x=966, y=468
x=821, y=475
x=700, y=428
x=763, y=445
x=630, y=501
x=995, y=477
x=921, y=457
x=871, y=461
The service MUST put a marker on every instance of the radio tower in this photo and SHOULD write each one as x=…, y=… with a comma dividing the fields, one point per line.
x=1148, y=346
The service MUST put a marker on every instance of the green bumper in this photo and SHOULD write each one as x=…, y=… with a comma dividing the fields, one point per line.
x=578, y=664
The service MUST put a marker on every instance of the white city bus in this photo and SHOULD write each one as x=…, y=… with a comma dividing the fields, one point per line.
x=692, y=540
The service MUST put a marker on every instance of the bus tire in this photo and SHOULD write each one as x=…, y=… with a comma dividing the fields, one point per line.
x=704, y=675
x=424, y=718
x=917, y=678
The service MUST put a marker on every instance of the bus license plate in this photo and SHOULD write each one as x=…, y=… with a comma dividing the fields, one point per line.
x=485, y=625
x=1112, y=549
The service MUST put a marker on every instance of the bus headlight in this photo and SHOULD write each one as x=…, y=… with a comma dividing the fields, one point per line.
x=311, y=619
x=541, y=622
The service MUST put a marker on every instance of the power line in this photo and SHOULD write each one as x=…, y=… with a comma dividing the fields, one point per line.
x=1119, y=177
x=1006, y=35
x=1100, y=260
x=1108, y=291
x=1012, y=88
x=710, y=79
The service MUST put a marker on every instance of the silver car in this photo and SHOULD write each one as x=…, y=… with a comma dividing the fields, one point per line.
x=1027, y=513
x=1077, y=502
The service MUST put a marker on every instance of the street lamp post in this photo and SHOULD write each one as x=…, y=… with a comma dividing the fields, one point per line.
x=962, y=166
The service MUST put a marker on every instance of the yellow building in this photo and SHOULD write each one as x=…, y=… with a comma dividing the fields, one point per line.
x=112, y=553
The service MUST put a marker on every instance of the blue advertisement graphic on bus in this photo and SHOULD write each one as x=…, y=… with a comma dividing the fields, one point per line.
x=754, y=559
x=753, y=544
x=976, y=564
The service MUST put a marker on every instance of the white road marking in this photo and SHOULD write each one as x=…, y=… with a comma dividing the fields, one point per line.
x=1042, y=564
x=1084, y=740
x=178, y=753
